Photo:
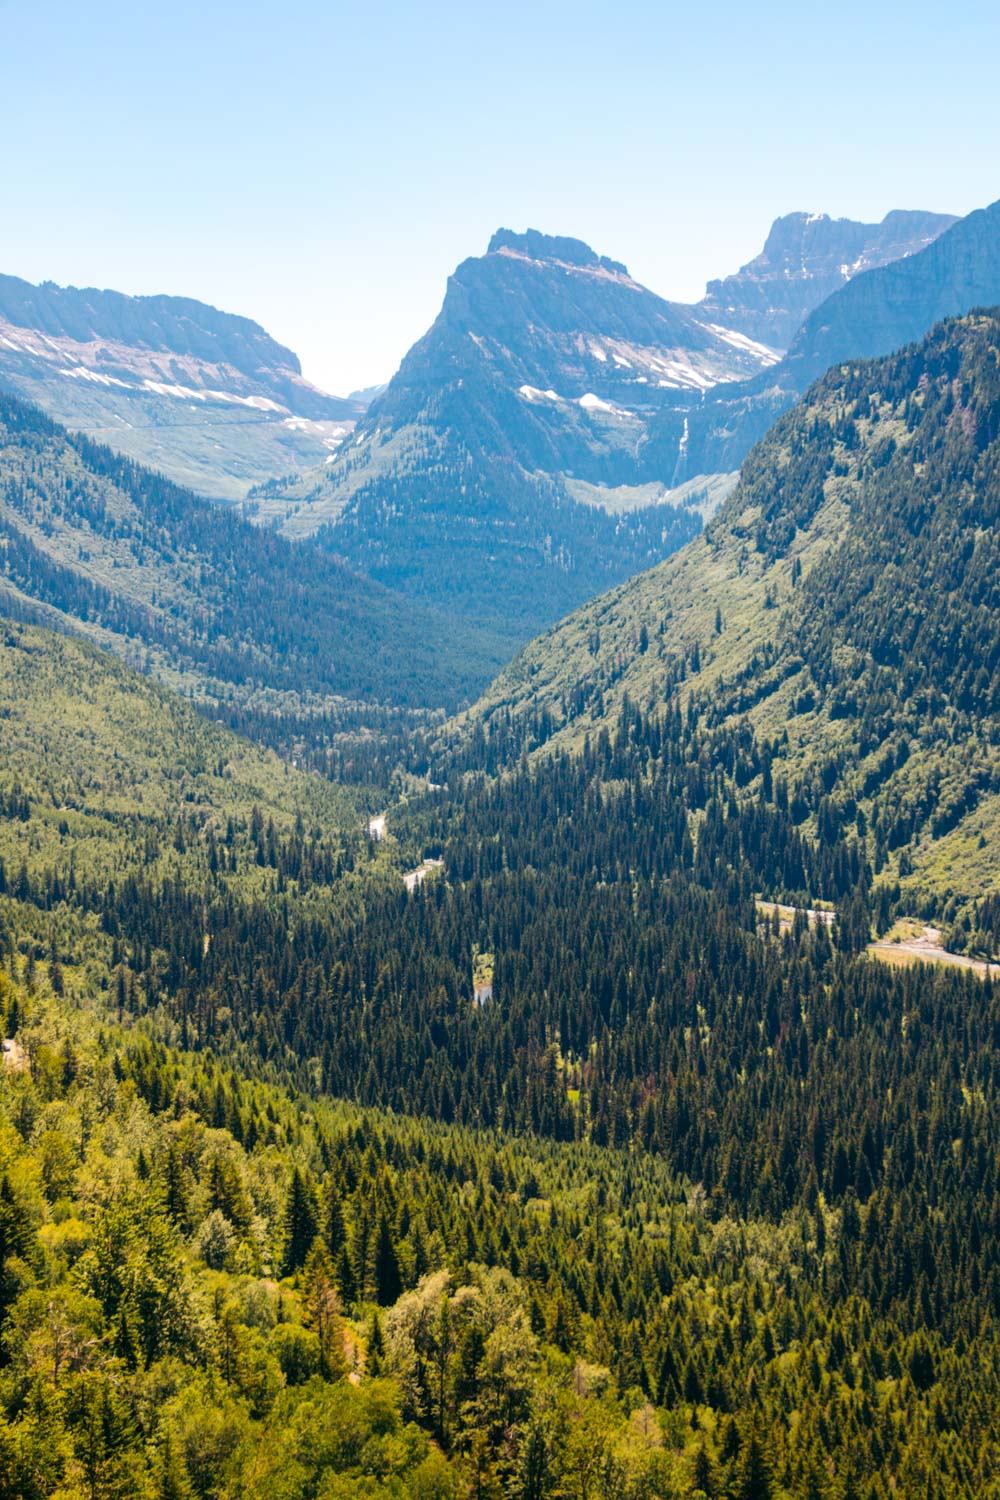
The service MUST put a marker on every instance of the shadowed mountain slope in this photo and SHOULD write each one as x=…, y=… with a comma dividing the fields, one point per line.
x=206, y=397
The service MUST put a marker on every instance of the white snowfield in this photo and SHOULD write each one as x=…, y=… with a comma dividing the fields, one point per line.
x=82, y=373
x=681, y=369
x=532, y=393
x=763, y=352
x=589, y=402
x=194, y=393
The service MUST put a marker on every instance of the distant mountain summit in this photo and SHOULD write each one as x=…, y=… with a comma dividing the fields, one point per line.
x=873, y=313
x=538, y=246
x=368, y=393
x=897, y=303
x=497, y=474
x=180, y=338
x=806, y=258
x=543, y=311
x=207, y=397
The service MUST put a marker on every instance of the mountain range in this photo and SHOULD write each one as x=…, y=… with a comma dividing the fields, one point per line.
x=508, y=470
x=805, y=259
x=873, y=313
x=205, y=397
x=488, y=472
x=558, y=429
x=547, y=1109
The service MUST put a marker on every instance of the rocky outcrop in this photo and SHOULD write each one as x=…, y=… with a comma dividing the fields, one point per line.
x=805, y=259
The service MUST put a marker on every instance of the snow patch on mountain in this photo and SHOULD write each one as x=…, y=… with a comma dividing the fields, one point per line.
x=682, y=369
x=763, y=352
x=590, y=402
x=82, y=373
x=532, y=393
x=190, y=393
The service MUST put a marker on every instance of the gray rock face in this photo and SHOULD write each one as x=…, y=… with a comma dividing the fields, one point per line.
x=207, y=397
x=805, y=259
x=121, y=334
x=548, y=312
x=896, y=304
x=497, y=476
x=540, y=246
x=876, y=312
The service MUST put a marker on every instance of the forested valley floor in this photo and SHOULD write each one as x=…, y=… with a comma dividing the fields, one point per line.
x=685, y=1206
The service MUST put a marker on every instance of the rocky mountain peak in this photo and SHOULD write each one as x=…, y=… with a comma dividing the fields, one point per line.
x=807, y=257
x=557, y=247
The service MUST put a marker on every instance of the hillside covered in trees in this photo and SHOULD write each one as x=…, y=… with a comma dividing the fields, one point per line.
x=197, y=596
x=840, y=613
x=685, y=1205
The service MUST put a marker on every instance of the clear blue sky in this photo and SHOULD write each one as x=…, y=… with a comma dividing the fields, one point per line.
x=323, y=166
